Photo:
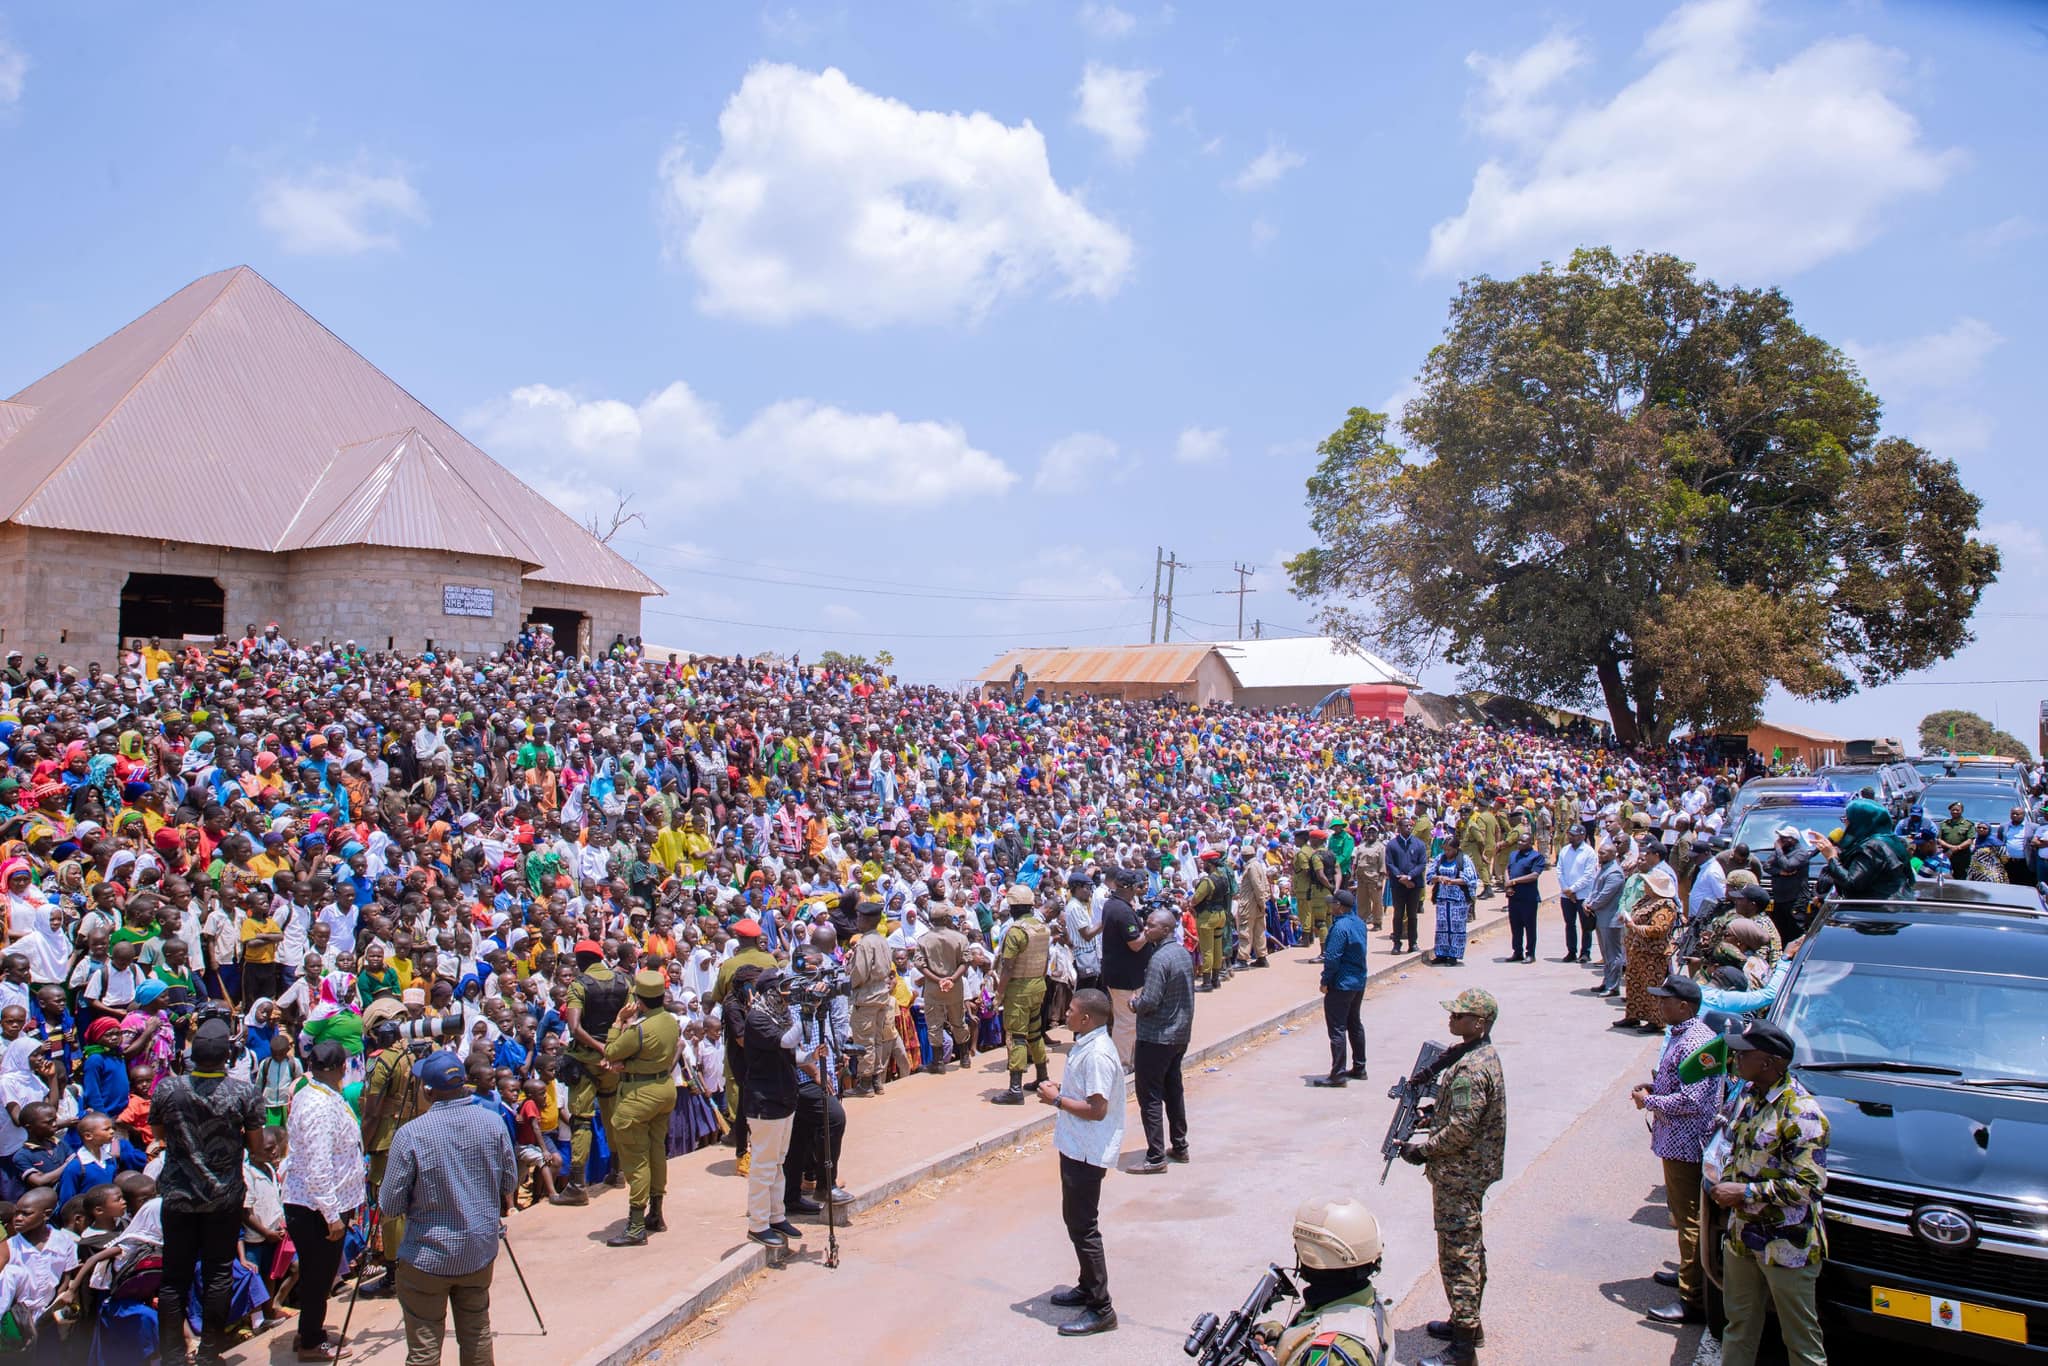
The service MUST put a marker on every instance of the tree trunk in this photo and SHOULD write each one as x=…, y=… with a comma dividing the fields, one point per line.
x=1615, y=691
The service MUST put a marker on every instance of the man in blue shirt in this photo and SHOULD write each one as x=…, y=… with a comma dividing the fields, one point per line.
x=451, y=1176
x=1525, y=896
x=1344, y=991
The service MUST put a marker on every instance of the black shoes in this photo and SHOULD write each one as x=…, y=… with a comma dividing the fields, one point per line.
x=1151, y=1166
x=1092, y=1321
x=768, y=1237
x=802, y=1206
x=1177, y=1154
x=1334, y=1079
x=1069, y=1299
x=1669, y=1278
x=1677, y=1313
x=786, y=1229
x=1357, y=1073
x=1441, y=1328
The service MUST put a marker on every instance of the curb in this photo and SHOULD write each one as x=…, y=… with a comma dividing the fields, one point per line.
x=633, y=1343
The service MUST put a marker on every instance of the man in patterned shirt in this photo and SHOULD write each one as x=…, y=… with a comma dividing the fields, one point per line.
x=1771, y=1184
x=1680, y=1115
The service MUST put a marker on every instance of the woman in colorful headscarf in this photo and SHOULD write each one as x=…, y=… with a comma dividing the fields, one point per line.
x=1646, y=930
x=1871, y=863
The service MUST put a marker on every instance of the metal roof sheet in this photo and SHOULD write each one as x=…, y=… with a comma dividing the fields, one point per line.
x=215, y=417
x=1093, y=666
x=401, y=491
x=1304, y=661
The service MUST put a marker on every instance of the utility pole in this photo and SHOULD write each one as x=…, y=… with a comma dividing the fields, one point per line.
x=1242, y=573
x=1158, y=555
x=1172, y=563
x=1256, y=627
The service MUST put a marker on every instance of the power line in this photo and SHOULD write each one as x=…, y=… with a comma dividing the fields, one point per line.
x=880, y=635
x=843, y=583
x=1960, y=682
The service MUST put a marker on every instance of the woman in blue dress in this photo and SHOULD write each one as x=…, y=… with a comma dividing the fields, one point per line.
x=1455, y=883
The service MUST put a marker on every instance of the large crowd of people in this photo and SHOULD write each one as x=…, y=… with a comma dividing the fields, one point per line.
x=249, y=885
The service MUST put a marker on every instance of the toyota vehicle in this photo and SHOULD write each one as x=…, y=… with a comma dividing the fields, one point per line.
x=1922, y=1029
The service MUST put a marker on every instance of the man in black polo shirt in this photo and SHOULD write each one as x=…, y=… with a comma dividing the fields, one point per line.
x=769, y=1052
x=1125, y=952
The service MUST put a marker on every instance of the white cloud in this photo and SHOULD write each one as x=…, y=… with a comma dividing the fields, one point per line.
x=675, y=446
x=1939, y=360
x=1511, y=105
x=826, y=200
x=839, y=614
x=1267, y=167
x=1106, y=22
x=1078, y=461
x=1110, y=103
x=1200, y=445
x=2018, y=540
x=339, y=210
x=13, y=72
x=2004, y=233
x=1263, y=234
x=1748, y=168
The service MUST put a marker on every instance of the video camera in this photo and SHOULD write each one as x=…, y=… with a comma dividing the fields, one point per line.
x=420, y=1035
x=812, y=990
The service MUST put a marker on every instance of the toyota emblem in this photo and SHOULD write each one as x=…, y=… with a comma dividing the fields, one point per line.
x=1944, y=1226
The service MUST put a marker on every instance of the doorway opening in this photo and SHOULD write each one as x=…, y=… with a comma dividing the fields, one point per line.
x=566, y=623
x=171, y=606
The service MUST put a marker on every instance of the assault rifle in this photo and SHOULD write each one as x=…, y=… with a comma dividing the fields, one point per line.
x=1414, y=1092
x=1231, y=1341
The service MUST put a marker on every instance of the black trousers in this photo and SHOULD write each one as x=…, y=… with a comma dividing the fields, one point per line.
x=736, y=1071
x=260, y=980
x=1407, y=910
x=319, y=1259
x=201, y=1247
x=1574, y=919
x=817, y=1115
x=1157, y=1066
x=1340, y=1015
x=1522, y=927
x=1080, y=1206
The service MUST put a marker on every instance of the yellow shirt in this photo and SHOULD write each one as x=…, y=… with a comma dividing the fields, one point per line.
x=259, y=953
x=268, y=866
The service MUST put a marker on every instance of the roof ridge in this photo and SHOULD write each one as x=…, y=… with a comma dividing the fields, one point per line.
x=284, y=537
x=532, y=554
x=234, y=275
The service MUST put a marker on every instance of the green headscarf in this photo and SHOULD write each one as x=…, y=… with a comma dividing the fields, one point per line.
x=1864, y=822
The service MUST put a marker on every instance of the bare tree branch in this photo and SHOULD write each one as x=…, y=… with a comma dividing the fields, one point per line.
x=621, y=517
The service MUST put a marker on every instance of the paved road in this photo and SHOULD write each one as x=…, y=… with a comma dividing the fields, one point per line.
x=960, y=1268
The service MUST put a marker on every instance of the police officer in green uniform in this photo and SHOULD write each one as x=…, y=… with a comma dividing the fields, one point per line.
x=1461, y=1151
x=1304, y=896
x=1020, y=983
x=1341, y=1321
x=1210, y=902
x=595, y=999
x=1321, y=885
x=640, y=1054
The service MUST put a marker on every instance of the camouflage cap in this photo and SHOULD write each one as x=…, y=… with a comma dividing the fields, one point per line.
x=1474, y=1001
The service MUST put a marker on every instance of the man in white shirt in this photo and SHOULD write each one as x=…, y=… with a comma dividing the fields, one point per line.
x=1577, y=865
x=1089, y=1133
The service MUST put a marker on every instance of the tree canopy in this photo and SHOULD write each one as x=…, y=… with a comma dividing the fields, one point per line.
x=1627, y=484
x=1965, y=732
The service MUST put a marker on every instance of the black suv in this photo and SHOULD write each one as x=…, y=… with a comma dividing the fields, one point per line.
x=1923, y=1031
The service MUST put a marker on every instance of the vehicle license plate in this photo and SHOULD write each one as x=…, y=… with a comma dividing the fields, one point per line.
x=1955, y=1315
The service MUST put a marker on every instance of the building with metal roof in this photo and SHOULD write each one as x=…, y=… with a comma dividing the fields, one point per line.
x=1268, y=674
x=226, y=460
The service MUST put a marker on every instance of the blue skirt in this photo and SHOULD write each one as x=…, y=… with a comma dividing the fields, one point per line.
x=1452, y=915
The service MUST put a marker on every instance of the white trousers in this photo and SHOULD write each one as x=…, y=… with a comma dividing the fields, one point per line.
x=767, y=1145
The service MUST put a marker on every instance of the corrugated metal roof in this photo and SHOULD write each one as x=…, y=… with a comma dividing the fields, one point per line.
x=1819, y=737
x=1305, y=661
x=13, y=417
x=217, y=416
x=1093, y=666
x=401, y=491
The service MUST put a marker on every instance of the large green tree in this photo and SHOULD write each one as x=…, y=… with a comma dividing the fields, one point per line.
x=1626, y=484
x=1965, y=732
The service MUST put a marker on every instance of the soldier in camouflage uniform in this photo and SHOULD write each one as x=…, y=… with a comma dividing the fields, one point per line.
x=1020, y=984
x=1771, y=1186
x=1210, y=901
x=1467, y=1133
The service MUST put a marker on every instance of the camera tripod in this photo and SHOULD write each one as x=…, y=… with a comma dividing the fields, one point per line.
x=819, y=1013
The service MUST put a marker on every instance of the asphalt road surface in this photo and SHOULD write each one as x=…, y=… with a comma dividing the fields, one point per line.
x=960, y=1268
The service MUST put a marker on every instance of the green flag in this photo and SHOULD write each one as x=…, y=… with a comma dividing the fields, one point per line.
x=1709, y=1060
x=1951, y=730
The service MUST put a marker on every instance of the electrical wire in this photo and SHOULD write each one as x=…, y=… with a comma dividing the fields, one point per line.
x=883, y=635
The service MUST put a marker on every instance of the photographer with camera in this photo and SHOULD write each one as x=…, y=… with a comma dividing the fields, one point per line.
x=451, y=1177
x=208, y=1123
x=824, y=1036
x=769, y=1051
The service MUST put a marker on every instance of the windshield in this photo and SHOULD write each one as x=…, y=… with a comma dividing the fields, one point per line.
x=1759, y=829
x=1932, y=768
x=1991, y=805
x=1979, y=1024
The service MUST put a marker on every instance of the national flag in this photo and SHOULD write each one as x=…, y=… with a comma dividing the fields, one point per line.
x=1708, y=1060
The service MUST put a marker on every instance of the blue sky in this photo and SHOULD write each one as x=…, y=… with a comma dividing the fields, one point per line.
x=950, y=313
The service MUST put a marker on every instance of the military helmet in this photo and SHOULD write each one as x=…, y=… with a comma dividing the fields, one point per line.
x=1333, y=1235
x=1474, y=1001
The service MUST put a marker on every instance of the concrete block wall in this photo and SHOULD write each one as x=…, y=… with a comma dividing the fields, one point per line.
x=60, y=594
x=383, y=597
